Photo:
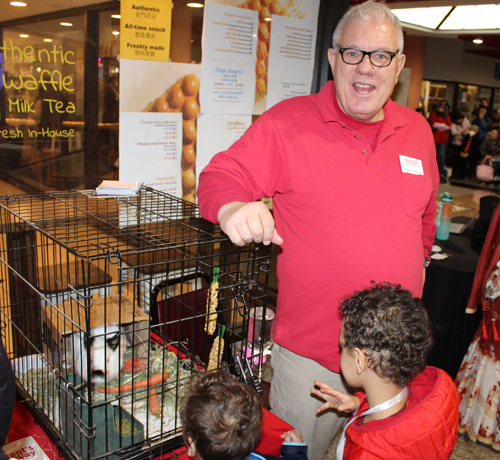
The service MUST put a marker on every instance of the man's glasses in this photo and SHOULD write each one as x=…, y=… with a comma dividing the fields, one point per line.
x=378, y=58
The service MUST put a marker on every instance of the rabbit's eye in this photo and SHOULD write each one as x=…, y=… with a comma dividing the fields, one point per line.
x=113, y=342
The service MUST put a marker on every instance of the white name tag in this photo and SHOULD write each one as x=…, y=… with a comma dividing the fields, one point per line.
x=411, y=165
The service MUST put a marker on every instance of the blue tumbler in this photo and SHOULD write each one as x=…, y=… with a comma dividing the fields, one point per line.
x=443, y=219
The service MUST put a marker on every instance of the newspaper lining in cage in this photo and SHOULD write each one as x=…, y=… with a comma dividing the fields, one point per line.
x=144, y=265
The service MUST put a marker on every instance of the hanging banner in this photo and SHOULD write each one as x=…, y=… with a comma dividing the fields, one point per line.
x=151, y=128
x=282, y=56
x=145, y=29
x=158, y=110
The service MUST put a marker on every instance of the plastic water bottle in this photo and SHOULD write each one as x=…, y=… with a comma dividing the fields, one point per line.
x=443, y=220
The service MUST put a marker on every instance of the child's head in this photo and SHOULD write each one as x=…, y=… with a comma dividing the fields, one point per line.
x=391, y=327
x=221, y=417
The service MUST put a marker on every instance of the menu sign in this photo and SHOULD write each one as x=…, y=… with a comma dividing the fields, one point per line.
x=154, y=145
x=227, y=81
x=158, y=133
x=145, y=29
x=229, y=129
x=292, y=46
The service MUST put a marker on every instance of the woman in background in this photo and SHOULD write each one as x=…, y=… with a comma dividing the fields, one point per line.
x=460, y=126
x=440, y=121
x=478, y=379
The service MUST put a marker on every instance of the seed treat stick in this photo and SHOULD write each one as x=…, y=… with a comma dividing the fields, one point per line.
x=212, y=301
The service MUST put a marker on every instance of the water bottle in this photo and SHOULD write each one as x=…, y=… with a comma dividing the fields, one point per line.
x=443, y=220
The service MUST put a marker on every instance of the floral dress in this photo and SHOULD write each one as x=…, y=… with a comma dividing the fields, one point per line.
x=478, y=379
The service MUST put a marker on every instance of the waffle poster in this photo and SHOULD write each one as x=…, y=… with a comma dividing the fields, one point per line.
x=158, y=125
x=151, y=128
x=248, y=66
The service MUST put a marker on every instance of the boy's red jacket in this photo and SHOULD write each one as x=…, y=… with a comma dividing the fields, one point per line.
x=426, y=429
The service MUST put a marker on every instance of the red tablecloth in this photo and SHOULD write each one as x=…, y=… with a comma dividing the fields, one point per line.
x=23, y=425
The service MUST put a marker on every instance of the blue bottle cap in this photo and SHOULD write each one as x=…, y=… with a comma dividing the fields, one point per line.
x=447, y=197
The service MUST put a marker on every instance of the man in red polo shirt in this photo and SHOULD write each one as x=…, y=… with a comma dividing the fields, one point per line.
x=353, y=177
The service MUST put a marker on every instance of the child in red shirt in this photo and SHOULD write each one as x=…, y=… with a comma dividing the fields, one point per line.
x=407, y=411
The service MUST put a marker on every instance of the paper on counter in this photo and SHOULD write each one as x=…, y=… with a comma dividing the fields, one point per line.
x=25, y=448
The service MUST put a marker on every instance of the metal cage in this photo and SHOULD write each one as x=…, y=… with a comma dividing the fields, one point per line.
x=110, y=304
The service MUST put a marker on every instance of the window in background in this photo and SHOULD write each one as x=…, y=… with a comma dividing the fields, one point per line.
x=433, y=94
x=41, y=142
x=470, y=98
x=109, y=94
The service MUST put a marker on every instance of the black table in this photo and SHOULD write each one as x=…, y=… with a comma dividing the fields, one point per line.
x=446, y=294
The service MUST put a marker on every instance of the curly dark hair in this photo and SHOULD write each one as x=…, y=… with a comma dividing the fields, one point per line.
x=391, y=327
x=222, y=416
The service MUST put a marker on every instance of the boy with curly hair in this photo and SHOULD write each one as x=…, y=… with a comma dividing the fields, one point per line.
x=221, y=419
x=407, y=410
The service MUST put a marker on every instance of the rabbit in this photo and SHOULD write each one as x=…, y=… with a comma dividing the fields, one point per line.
x=107, y=349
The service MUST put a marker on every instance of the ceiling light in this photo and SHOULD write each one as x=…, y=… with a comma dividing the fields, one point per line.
x=24, y=35
x=18, y=3
x=477, y=41
x=424, y=17
x=492, y=12
x=116, y=16
x=115, y=32
x=195, y=5
x=66, y=24
x=467, y=17
x=48, y=40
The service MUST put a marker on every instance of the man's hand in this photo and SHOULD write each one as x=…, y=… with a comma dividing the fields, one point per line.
x=334, y=399
x=247, y=222
x=292, y=436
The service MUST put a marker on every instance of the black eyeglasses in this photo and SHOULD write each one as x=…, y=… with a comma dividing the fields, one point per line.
x=378, y=58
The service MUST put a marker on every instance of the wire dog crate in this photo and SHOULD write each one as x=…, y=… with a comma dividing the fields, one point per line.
x=110, y=304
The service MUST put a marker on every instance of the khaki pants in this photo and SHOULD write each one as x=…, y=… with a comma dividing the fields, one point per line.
x=291, y=399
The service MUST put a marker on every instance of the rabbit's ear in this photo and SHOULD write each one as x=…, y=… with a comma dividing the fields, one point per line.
x=113, y=342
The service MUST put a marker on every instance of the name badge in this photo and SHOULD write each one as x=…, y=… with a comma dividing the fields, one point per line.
x=411, y=165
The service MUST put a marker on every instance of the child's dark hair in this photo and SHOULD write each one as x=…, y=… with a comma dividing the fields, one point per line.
x=391, y=327
x=222, y=416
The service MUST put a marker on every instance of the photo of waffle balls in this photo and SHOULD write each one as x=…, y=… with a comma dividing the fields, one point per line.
x=183, y=96
x=265, y=8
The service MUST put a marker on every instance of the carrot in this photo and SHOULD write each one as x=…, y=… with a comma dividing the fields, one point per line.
x=154, y=404
x=150, y=381
x=134, y=365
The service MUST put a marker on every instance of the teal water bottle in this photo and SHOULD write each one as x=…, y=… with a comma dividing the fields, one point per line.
x=443, y=219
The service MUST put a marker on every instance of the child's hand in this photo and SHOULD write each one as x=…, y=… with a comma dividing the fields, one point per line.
x=334, y=399
x=292, y=436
